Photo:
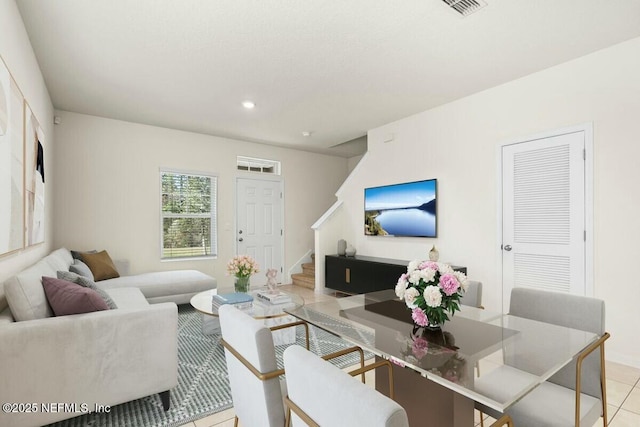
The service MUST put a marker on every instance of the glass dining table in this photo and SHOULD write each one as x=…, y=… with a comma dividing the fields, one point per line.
x=478, y=356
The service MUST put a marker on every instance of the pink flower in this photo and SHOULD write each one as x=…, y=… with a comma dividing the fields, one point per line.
x=397, y=362
x=449, y=284
x=429, y=264
x=451, y=375
x=419, y=316
x=420, y=347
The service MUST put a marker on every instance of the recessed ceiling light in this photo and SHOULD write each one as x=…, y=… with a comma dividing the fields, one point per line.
x=306, y=133
x=248, y=104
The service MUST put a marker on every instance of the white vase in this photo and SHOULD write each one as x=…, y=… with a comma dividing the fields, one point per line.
x=434, y=255
x=351, y=251
x=342, y=247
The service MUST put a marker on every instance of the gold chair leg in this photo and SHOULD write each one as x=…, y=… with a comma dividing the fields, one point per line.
x=287, y=419
x=235, y=421
x=300, y=413
x=579, y=360
x=603, y=383
x=504, y=420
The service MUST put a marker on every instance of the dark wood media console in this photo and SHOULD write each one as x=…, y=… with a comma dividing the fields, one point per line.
x=362, y=274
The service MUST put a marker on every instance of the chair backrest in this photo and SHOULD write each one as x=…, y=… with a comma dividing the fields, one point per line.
x=331, y=397
x=573, y=311
x=256, y=402
x=473, y=295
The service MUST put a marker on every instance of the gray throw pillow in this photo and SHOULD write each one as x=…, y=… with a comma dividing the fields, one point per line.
x=78, y=254
x=82, y=269
x=84, y=281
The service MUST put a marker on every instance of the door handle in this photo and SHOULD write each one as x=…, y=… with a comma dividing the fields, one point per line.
x=508, y=248
x=240, y=239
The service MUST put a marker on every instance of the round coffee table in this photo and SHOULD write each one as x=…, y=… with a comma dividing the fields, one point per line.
x=273, y=314
x=258, y=309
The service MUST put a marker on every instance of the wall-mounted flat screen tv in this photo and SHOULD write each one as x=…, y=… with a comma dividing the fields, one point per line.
x=407, y=209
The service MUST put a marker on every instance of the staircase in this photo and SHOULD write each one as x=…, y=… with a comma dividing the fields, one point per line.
x=306, y=279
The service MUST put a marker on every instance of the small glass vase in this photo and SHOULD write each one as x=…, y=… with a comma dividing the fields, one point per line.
x=242, y=284
x=434, y=326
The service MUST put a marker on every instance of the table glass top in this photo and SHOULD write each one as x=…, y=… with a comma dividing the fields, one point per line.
x=258, y=308
x=514, y=354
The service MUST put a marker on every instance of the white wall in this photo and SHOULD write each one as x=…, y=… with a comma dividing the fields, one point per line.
x=17, y=53
x=458, y=144
x=108, y=193
x=353, y=162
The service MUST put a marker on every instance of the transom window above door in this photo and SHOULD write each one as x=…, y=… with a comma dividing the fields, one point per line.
x=252, y=164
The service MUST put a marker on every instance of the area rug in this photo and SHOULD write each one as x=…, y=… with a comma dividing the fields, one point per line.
x=203, y=384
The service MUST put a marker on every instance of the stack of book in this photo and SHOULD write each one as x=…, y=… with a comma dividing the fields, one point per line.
x=277, y=297
x=238, y=299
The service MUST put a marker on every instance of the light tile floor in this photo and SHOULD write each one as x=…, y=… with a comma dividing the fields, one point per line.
x=623, y=387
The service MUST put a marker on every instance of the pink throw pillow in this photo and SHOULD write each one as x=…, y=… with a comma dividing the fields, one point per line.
x=69, y=298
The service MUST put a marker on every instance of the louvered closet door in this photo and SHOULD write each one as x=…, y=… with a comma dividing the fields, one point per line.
x=544, y=214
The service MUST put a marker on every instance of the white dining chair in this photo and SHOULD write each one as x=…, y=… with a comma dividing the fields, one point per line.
x=321, y=394
x=253, y=370
x=254, y=377
x=575, y=395
x=472, y=297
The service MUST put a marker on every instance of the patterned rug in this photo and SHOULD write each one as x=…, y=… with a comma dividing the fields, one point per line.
x=203, y=385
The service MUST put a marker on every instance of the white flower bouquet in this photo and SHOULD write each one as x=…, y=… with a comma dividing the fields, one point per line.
x=432, y=290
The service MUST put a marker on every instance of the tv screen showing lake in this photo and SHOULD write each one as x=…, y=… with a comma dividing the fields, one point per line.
x=408, y=222
x=407, y=209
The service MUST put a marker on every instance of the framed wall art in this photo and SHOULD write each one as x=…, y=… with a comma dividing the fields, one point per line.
x=11, y=163
x=34, y=178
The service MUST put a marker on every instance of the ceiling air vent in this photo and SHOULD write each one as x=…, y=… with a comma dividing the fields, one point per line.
x=465, y=7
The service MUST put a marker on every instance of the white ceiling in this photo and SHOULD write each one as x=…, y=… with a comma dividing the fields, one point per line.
x=335, y=68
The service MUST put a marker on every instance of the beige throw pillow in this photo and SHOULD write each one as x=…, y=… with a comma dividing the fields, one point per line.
x=100, y=265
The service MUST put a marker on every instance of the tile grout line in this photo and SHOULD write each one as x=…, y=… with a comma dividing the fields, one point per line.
x=636, y=384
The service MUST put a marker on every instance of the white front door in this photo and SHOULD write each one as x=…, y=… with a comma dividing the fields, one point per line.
x=259, y=229
x=543, y=214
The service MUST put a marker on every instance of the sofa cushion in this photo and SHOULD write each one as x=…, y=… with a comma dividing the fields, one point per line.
x=6, y=317
x=60, y=259
x=24, y=292
x=70, y=298
x=82, y=269
x=128, y=298
x=100, y=265
x=161, y=286
x=84, y=281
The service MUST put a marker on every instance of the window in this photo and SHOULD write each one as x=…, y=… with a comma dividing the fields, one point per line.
x=189, y=226
x=252, y=164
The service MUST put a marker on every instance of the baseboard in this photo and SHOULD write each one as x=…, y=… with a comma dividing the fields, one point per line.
x=623, y=359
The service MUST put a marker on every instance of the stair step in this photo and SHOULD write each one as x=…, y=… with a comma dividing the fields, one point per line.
x=309, y=268
x=304, y=280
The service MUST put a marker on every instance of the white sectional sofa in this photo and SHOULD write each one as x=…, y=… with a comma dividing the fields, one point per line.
x=101, y=358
